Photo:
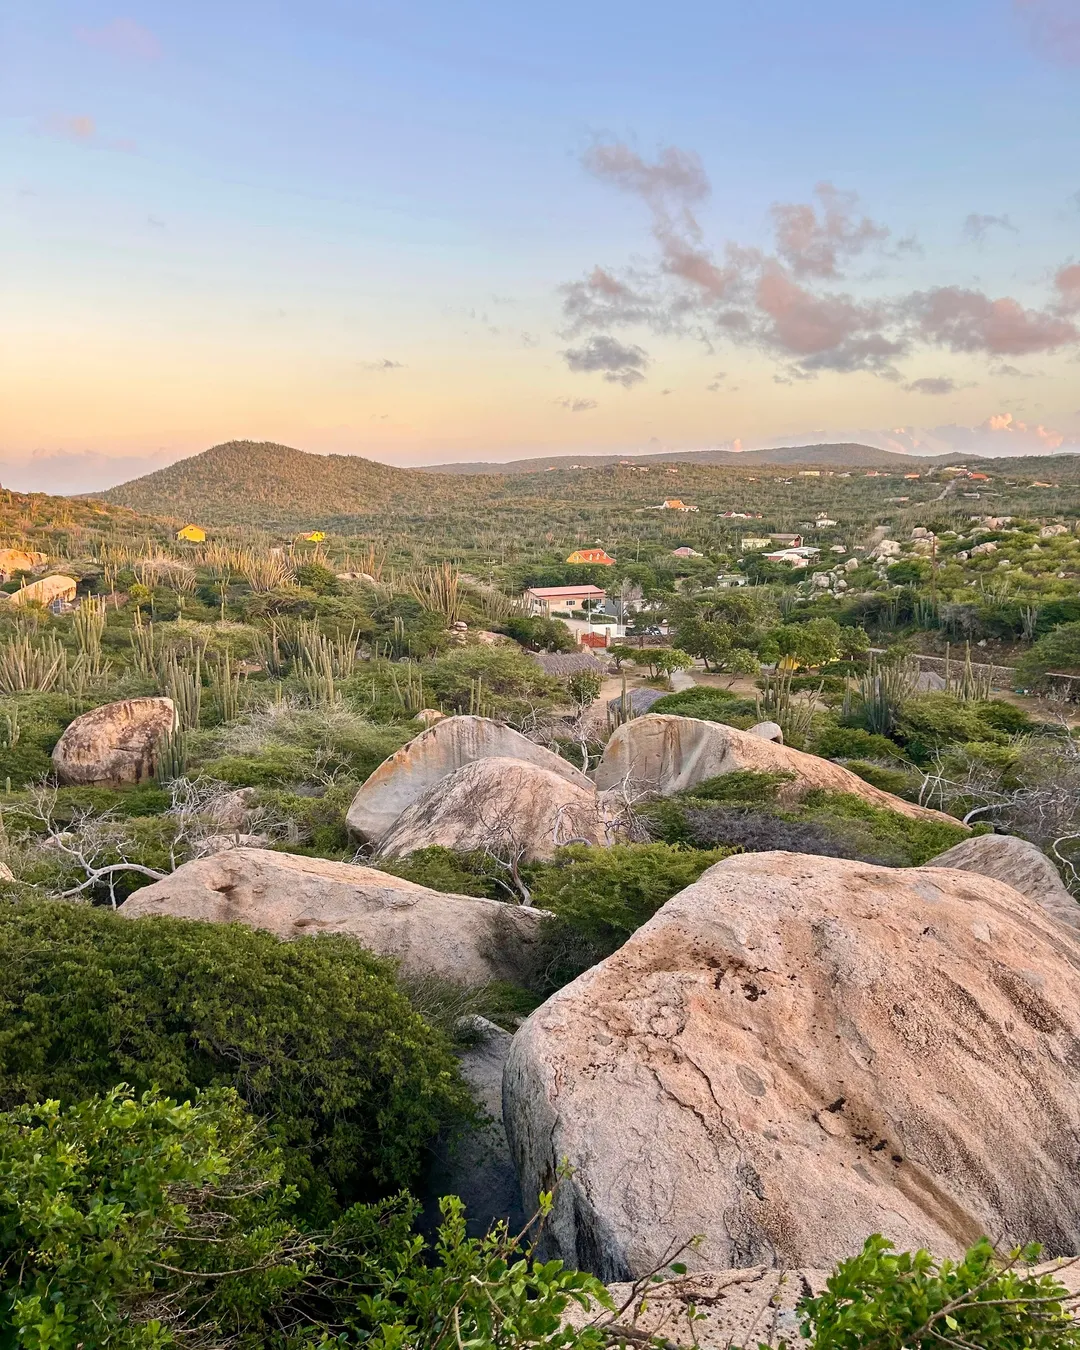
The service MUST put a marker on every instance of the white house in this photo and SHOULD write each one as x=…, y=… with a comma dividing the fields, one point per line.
x=546, y=600
x=797, y=557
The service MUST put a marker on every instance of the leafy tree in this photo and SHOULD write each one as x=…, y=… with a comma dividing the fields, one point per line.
x=584, y=688
x=665, y=660
x=854, y=642
x=313, y=1034
x=619, y=652
x=811, y=644
x=539, y=634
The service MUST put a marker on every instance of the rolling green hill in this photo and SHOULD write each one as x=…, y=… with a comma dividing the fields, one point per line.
x=241, y=481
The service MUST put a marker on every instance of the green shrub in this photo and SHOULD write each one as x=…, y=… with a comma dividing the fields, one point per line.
x=600, y=896
x=853, y=743
x=896, y=781
x=1001, y=715
x=138, y=1224
x=909, y=1301
x=709, y=705
x=118, y=1215
x=442, y=869
x=507, y=681
x=38, y=721
x=273, y=765
x=915, y=841
x=1057, y=652
x=929, y=722
x=313, y=1034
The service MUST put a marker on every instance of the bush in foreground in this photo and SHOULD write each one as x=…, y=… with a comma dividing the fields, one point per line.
x=314, y=1035
x=138, y=1223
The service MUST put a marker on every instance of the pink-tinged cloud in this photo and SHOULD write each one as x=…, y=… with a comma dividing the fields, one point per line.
x=1067, y=284
x=676, y=175
x=79, y=127
x=815, y=241
x=1005, y=422
x=968, y=321
x=1054, y=27
x=124, y=38
x=781, y=301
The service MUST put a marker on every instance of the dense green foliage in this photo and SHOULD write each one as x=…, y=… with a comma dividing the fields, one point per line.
x=140, y=1223
x=908, y=1301
x=313, y=1034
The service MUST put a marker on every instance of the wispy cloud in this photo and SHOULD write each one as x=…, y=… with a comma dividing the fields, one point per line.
x=816, y=241
x=124, y=38
x=787, y=301
x=1054, y=27
x=577, y=405
x=977, y=227
x=82, y=129
x=932, y=384
x=383, y=363
x=607, y=356
x=78, y=127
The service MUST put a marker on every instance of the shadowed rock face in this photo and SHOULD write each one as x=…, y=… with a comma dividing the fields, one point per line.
x=455, y=937
x=798, y=1051
x=114, y=745
x=671, y=754
x=428, y=758
x=1018, y=864
x=509, y=805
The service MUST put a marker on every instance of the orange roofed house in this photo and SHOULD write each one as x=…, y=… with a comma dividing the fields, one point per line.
x=595, y=556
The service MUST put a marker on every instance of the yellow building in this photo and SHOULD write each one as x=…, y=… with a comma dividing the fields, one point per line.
x=194, y=534
x=594, y=556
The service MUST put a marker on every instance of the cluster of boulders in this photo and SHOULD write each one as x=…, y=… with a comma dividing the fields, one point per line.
x=835, y=580
x=794, y=1052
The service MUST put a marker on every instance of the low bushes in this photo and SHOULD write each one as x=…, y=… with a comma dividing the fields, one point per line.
x=832, y=824
x=710, y=705
x=314, y=1034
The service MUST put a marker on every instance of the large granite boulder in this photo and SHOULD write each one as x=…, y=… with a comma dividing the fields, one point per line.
x=1018, y=864
x=45, y=591
x=432, y=756
x=14, y=560
x=796, y=1052
x=114, y=745
x=666, y=754
x=508, y=805
x=455, y=937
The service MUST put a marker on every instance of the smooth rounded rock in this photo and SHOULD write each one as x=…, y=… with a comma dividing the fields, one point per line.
x=115, y=745
x=428, y=758
x=796, y=1052
x=1018, y=863
x=510, y=806
x=664, y=753
x=455, y=937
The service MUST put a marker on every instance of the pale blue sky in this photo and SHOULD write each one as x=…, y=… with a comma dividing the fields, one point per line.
x=218, y=219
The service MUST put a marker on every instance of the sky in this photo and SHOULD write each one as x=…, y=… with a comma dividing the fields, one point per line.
x=424, y=232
